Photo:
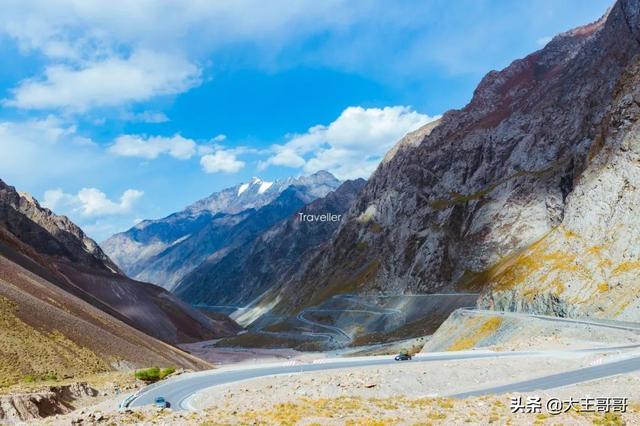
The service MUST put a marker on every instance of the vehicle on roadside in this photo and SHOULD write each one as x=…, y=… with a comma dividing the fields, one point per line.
x=160, y=402
x=403, y=357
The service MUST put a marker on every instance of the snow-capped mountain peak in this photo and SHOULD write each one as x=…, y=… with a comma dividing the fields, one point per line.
x=264, y=186
x=257, y=192
x=242, y=188
x=136, y=249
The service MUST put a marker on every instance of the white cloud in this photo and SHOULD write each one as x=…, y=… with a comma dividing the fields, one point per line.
x=344, y=163
x=206, y=149
x=214, y=145
x=286, y=156
x=61, y=28
x=107, y=53
x=107, y=83
x=146, y=117
x=151, y=147
x=49, y=130
x=352, y=145
x=52, y=144
x=221, y=161
x=90, y=202
x=364, y=37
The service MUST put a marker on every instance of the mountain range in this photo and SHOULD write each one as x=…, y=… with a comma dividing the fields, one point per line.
x=251, y=269
x=527, y=194
x=166, y=250
x=526, y=199
x=67, y=309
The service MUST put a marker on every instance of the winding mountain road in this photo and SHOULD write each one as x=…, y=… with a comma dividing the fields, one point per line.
x=180, y=391
x=336, y=330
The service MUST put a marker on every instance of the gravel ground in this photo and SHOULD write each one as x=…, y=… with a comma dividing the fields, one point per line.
x=404, y=379
x=406, y=393
x=349, y=410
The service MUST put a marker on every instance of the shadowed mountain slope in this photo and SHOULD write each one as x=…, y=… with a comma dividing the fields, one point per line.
x=253, y=268
x=164, y=251
x=56, y=250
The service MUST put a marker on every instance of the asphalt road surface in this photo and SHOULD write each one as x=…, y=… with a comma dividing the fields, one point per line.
x=562, y=379
x=179, y=390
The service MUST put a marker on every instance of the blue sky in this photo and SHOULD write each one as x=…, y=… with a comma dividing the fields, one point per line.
x=114, y=111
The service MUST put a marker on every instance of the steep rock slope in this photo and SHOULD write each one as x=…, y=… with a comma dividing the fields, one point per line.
x=492, y=179
x=589, y=265
x=58, y=251
x=47, y=332
x=251, y=269
x=164, y=251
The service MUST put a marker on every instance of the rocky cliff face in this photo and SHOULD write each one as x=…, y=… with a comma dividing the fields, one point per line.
x=528, y=190
x=166, y=250
x=589, y=264
x=53, y=235
x=251, y=269
x=18, y=408
x=55, y=249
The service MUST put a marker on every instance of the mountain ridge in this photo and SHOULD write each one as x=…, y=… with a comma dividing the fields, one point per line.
x=55, y=320
x=58, y=250
x=165, y=250
x=253, y=268
x=439, y=214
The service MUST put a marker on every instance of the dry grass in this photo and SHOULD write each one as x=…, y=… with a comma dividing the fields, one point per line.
x=121, y=379
x=290, y=410
x=351, y=411
x=626, y=267
x=508, y=271
x=558, y=287
x=548, y=265
x=32, y=355
x=468, y=341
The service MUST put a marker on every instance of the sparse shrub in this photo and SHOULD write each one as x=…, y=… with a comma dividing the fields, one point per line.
x=153, y=374
x=609, y=419
x=148, y=374
x=166, y=371
x=445, y=403
x=29, y=378
x=51, y=376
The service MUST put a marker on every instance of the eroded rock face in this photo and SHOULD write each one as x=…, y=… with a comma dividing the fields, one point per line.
x=545, y=149
x=589, y=265
x=22, y=215
x=30, y=406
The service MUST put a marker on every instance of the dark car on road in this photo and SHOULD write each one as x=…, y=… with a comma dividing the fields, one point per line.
x=403, y=357
x=160, y=402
